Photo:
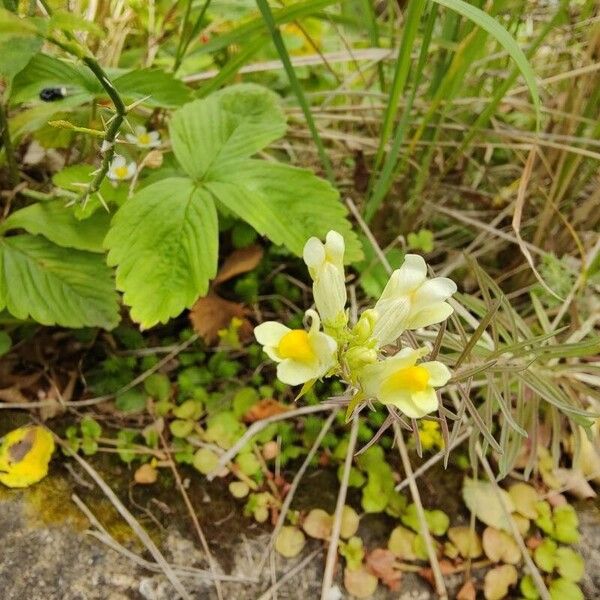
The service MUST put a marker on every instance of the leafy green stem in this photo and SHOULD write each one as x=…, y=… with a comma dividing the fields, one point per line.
x=184, y=41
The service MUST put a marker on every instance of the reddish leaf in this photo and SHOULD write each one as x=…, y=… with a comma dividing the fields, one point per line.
x=211, y=314
x=381, y=562
x=467, y=591
x=263, y=409
x=238, y=262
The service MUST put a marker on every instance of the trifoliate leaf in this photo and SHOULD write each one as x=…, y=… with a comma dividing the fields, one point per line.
x=54, y=285
x=285, y=203
x=231, y=124
x=482, y=500
x=498, y=581
x=58, y=223
x=164, y=242
x=290, y=541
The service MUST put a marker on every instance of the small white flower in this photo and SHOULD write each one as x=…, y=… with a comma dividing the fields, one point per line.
x=144, y=138
x=401, y=382
x=411, y=301
x=120, y=170
x=301, y=355
x=325, y=264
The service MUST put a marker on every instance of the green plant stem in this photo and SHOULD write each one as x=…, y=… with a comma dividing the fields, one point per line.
x=265, y=10
x=409, y=33
x=180, y=47
x=11, y=162
x=384, y=182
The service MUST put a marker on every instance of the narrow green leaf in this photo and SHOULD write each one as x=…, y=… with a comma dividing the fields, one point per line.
x=495, y=29
x=164, y=243
x=54, y=285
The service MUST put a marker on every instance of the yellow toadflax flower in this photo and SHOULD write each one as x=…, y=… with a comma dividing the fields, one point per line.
x=24, y=456
x=120, y=170
x=411, y=301
x=325, y=264
x=301, y=355
x=143, y=138
x=401, y=382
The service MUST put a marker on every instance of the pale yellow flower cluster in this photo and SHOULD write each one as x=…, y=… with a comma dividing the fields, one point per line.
x=359, y=355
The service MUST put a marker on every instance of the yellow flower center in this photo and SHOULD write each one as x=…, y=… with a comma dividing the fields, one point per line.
x=296, y=345
x=144, y=139
x=412, y=379
x=121, y=172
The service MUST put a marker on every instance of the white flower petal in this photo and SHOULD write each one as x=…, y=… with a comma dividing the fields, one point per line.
x=324, y=346
x=270, y=333
x=314, y=253
x=131, y=138
x=335, y=247
x=272, y=353
x=131, y=169
x=434, y=290
x=139, y=130
x=329, y=292
x=118, y=161
x=392, y=319
x=439, y=373
x=294, y=372
x=436, y=313
x=154, y=136
x=421, y=404
x=400, y=399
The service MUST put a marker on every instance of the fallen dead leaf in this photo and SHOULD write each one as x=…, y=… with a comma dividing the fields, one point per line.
x=360, y=583
x=146, y=475
x=382, y=563
x=212, y=313
x=467, y=591
x=267, y=407
x=446, y=568
x=238, y=262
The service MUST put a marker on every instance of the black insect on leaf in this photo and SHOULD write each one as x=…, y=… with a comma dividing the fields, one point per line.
x=51, y=94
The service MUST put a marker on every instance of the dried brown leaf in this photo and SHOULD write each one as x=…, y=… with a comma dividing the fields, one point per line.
x=211, y=314
x=382, y=563
x=238, y=262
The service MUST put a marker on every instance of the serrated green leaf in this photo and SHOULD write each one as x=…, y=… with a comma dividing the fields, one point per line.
x=164, y=242
x=231, y=124
x=287, y=204
x=54, y=285
x=155, y=86
x=58, y=223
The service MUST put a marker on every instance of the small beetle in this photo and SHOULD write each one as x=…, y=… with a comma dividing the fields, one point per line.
x=51, y=94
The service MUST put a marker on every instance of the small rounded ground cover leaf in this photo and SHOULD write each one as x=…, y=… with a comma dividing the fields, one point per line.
x=350, y=521
x=437, y=520
x=158, y=386
x=563, y=589
x=522, y=523
x=353, y=551
x=545, y=555
x=190, y=409
x=525, y=499
x=181, y=428
x=466, y=541
x=569, y=564
x=565, y=524
x=500, y=546
x=360, y=583
x=482, y=500
x=401, y=543
x=528, y=589
x=146, y=475
x=205, y=460
x=290, y=541
x=239, y=489
x=498, y=581
x=317, y=524
x=544, y=519
x=248, y=463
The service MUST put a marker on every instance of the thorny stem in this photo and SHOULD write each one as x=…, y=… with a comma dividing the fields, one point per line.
x=11, y=163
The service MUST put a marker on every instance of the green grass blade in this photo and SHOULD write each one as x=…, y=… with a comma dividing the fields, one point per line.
x=495, y=29
x=265, y=10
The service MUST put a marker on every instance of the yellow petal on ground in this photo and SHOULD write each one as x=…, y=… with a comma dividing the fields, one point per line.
x=24, y=456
